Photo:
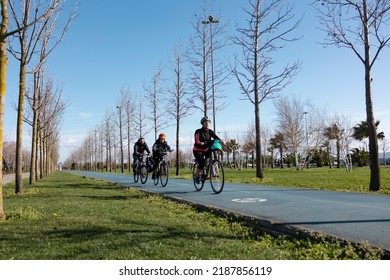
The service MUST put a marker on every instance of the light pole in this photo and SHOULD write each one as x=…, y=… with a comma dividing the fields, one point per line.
x=210, y=21
x=307, y=139
x=120, y=136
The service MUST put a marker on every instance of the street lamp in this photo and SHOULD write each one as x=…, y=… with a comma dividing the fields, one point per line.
x=307, y=138
x=120, y=136
x=210, y=21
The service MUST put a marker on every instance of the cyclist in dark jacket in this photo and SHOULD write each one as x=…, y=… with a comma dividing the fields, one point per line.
x=203, y=141
x=139, y=148
x=159, y=148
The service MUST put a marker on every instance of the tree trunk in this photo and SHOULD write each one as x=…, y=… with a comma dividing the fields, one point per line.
x=177, y=145
x=373, y=140
x=3, y=78
x=34, y=130
x=19, y=129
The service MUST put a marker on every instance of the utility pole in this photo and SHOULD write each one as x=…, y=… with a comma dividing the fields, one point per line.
x=210, y=21
x=307, y=140
x=120, y=137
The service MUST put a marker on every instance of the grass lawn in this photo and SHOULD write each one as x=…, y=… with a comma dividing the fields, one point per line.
x=314, y=178
x=69, y=217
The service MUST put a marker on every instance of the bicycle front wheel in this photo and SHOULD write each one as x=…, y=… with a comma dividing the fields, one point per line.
x=136, y=175
x=198, y=183
x=217, y=176
x=144, y=174
x=164, y=174
x=156, y=178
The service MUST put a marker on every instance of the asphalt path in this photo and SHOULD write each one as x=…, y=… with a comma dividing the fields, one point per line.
x=354, y=217
x=11, y=177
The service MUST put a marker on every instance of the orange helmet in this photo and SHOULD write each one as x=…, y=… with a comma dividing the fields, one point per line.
x=162, y=136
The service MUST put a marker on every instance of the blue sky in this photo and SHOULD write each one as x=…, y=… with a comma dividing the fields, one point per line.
x=123, y=43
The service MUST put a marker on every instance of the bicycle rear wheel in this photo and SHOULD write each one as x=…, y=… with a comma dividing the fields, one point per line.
x=164, y=174
x=197, y=183
x=144, y=174
x=217, y=176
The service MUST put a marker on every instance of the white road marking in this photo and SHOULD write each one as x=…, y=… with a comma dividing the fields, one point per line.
x=249, y=200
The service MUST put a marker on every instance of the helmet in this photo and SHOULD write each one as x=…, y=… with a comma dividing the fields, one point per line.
x=162, y=136
x=204, y=119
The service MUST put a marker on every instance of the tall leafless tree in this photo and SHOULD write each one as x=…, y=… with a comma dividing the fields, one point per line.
x=140, y=120
x=270, y=25
x=155, y=98
x=178, y=98
x=207, y=75
x=361, y=26
x=129, y=108
x=291, y=124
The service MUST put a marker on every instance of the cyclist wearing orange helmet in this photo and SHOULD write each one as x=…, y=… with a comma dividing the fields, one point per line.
x=160, y=147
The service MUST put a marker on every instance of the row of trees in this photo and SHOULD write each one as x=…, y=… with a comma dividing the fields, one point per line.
x=357, y=25
x=302, y=135
x=29, y=32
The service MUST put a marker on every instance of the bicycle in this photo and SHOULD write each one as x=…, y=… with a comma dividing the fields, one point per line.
x=141, y=170
x=213, y=171
x=162, y=171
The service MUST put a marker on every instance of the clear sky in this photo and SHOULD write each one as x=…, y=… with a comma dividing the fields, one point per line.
x=122, y=43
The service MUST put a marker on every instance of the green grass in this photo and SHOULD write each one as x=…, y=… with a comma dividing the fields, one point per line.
x=69, y=217
x=314, y=178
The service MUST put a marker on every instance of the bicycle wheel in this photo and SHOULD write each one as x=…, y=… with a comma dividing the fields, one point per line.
x=144, y=174
x=200, y=183
x=217, y=176
x=156, y=176
x=164, y=174
x=136, y=175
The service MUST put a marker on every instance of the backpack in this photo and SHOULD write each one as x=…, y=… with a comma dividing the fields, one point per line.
x=149, y=164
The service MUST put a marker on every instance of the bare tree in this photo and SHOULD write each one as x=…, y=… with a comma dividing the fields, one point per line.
x=140, y=117
x=178, y=98
x=207, y=75
x=270, y=24
x=155, y=99
x=291, y=124
x=108, y=137
x=249, y=146
x=50, y=119
x=129, y=107
x=361, y=26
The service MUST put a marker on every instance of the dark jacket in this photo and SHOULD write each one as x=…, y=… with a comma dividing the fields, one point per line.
x=205, y=136
x=159, y=147
x=139, y=149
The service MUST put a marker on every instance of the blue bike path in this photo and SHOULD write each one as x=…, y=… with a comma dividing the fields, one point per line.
x=354, y=217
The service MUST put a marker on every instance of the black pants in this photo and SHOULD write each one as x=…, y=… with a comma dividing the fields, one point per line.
x=201, y=157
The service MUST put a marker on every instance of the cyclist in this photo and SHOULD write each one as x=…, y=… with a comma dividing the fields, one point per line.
x=202, y=145
x=139, y=148
x=159, y=147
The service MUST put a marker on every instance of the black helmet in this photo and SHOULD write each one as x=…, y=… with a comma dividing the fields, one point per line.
x=204, y=119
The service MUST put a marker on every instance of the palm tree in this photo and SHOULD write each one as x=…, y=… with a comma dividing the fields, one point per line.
x=333, y=133
x=278, y=143
x=360, y=157
x=360, y=131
